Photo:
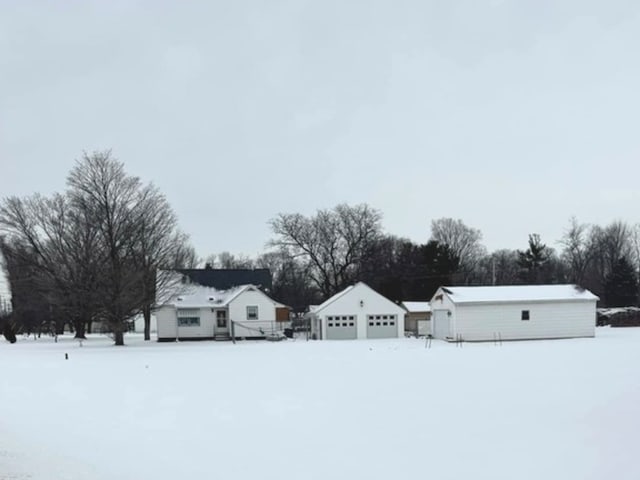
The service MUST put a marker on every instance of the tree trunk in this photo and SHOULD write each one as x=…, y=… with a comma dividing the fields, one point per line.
x=89, y=327
x=146, y=312
x=119, y=337
x=80, y=329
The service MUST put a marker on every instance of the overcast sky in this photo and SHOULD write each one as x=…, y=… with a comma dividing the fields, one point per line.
x=510, y=115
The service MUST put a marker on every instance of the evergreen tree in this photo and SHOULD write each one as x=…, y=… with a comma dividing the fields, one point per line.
x=621, y=285
x=532, y=260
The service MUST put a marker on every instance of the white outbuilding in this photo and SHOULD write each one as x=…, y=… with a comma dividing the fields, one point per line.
x=513, y=312
x=357, y=312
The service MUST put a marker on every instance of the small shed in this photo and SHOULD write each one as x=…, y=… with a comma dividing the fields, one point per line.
x=513, y=312
x=357, y=312
x=417, y=320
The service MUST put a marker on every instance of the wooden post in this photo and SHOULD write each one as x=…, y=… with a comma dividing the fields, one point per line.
x=233, y=331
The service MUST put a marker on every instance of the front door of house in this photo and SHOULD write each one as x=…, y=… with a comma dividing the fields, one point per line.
x=221, y=319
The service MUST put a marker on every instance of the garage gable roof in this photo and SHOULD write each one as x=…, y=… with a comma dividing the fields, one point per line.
x=344, y=292
x=330, y=300
x=516, y=293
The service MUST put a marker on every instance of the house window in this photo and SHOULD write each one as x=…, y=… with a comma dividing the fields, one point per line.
x=188, y=321
x=252, y=312
x=525, y=315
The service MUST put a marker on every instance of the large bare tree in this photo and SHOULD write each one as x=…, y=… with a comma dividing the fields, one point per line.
x=138, y=234
x=331, y=242
x=463, y=241
x=60, y=243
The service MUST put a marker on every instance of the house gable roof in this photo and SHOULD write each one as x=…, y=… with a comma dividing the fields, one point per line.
x=516, y=293
x=197, y=296
x=224, y=279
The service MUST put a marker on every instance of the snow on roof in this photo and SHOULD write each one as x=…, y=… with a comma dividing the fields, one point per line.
x=417, y=306
x=608, y=312
x=518, y=293
x=331, y=299
x=196, y=296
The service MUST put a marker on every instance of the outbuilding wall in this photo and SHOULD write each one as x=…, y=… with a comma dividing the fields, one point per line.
x=568, y=319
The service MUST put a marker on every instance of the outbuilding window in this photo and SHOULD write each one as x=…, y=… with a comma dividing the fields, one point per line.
x=252, y=312
x=525, y=315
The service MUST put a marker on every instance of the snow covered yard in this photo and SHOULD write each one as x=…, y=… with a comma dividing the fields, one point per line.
x=565, y=409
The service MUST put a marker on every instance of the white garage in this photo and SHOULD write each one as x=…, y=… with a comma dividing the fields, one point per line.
x=357, y=312
x=513, y=312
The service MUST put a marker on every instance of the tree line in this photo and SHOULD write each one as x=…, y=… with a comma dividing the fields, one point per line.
x=314, y=257
x=92, y=253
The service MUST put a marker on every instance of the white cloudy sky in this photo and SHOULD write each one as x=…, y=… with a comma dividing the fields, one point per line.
x=511, y=115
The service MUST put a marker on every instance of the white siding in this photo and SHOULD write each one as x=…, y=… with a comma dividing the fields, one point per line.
x=546, y=320
x=166, y=322
x=205, y=330
x=266, y=314
x=372, y=304
x=440, y=302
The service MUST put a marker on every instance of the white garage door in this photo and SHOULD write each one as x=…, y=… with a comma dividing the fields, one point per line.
x=441, y=324
x=341, y=327
x=382, y=326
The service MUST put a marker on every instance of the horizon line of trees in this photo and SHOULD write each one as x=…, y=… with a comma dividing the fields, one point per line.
x=92, y=253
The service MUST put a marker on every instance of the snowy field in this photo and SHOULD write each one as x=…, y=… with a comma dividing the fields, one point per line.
x=385, y=409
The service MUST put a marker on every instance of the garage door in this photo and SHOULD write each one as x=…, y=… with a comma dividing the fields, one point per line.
x=441, y=327
x=382, y=326
x=341, y=327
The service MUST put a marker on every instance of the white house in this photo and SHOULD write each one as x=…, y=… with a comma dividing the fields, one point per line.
x=199, y=312
x=513, y=312
x=357, y=312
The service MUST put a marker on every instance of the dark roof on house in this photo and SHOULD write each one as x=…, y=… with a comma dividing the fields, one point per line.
x=223, y=279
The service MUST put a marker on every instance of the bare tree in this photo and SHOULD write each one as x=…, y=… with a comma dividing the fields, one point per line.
x=228, y=260
x=185, y=255
x=333, y=242
x=578, y=251
x=119, y=205
x=462, y=240
x=499, y=268
x=291, y=280
x=608, y=244
x=61, y=244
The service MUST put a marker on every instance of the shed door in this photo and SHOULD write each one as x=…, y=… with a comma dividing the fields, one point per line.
x=382, y=326
x=441, y=324
x=341, y=327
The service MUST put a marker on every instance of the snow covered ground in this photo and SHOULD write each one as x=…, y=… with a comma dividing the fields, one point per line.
x=385, y=409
